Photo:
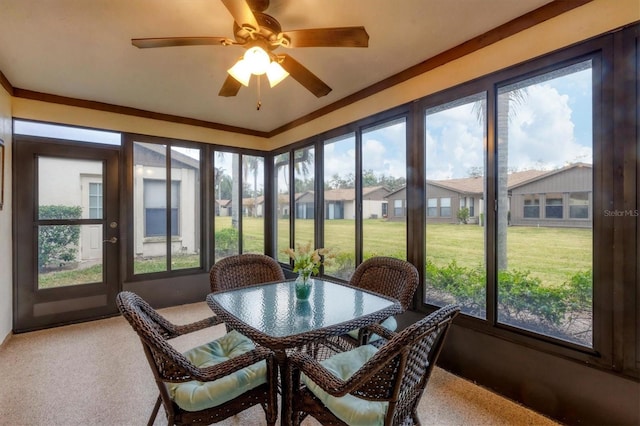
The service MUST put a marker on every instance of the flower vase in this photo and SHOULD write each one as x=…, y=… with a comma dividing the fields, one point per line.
x=303, y=285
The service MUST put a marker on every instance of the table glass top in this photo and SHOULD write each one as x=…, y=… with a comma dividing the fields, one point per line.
x=274, y=310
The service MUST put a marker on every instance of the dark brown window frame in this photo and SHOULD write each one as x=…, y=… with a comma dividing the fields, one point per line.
x=601, y=51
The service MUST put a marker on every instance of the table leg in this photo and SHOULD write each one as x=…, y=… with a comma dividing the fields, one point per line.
x=285, y=389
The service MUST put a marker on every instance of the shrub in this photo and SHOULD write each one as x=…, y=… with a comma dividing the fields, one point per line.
x=58, y=244
x=521, y=296
x=522, y=299
x=465, y=285
x=463, y=215
x=226, y=241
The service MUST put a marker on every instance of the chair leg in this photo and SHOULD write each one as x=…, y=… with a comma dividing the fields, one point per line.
x=155, y=412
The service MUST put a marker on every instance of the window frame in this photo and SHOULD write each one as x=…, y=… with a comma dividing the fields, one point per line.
x=127, y=220
x=599, y=51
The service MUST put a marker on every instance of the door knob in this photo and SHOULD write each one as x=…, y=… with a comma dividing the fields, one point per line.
x=111, y=240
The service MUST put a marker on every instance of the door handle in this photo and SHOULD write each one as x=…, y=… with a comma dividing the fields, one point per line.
x=111, y=240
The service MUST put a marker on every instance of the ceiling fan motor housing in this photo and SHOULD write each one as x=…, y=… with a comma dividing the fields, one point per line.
x=269, y=30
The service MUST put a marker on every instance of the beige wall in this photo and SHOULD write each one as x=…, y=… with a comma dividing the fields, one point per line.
x=57, y=113
x=590, y=20
x=6, y=259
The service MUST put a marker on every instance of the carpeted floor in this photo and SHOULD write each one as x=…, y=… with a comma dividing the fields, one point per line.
x=96, y=374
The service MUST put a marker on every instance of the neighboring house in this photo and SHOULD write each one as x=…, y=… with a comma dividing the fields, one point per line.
x=561, y=197
x=150, y=201
x=223, y=207
x=304, y=202
x=340, y=203
x=82, y=182
x=253, y=207
x=444, y=199
x=75, y=183
x=304, y=205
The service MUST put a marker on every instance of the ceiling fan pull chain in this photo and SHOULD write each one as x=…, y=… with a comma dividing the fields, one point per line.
x=259, y=102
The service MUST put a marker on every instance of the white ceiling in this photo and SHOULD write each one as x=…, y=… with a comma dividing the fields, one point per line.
x=82, y=49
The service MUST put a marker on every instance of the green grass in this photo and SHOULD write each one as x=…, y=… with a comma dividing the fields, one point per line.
x=552, y=254
x=53, y=279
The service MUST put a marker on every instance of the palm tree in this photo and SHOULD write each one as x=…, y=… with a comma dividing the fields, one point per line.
x=507, y=108
x=251, y=165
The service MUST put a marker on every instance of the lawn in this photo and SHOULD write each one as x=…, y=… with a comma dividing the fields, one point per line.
x=552, y=254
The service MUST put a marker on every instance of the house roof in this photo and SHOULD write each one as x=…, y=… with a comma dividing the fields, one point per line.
x=475, y=185
x=349, y=194
x=176, y=156
x=547, y=174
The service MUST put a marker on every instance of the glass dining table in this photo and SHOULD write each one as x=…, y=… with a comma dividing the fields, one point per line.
x=272, y=316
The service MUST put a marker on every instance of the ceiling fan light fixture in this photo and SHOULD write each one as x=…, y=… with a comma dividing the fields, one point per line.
x=275, y=73
x=241, y=71
x=257, y=59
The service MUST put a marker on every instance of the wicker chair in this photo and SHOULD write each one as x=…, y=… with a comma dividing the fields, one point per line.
x=388, y=276
x=242, y=270
x=369, y=385
x=194, y=387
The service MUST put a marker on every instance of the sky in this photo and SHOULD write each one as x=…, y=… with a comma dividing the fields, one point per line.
x=551, y=128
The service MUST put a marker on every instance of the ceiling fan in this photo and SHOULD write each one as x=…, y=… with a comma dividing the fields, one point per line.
x=261, y=34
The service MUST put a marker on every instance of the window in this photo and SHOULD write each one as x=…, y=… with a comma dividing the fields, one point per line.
x=579, y=205
x=432, y=207
x=398, y=208
x=166, y=217
x=531, y=208
x=553, y=206
x=155, y=207
x=304, y=178
x=454, y=139
x=95, y=200
x=445, y=207
x=252, y=204
x=61, y=131
x=384, y=170
x=283, y=205
x=340, y=204
x=544, y=124
x=226, y=224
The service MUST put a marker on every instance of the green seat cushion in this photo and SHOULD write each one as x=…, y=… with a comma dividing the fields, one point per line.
x=350, y=409
x=390, y=324
x=196, y=395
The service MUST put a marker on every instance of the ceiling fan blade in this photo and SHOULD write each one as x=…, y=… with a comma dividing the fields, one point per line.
x=329, y=37
x=303, y=76
x=230, y=87
x=144, y=43
x=241, y=13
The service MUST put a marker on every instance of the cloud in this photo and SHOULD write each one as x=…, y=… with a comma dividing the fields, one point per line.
x=454, y=142
x=542, y=131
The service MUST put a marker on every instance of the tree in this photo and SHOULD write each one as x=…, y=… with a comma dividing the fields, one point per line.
x=507, y=107
x=252, y=165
